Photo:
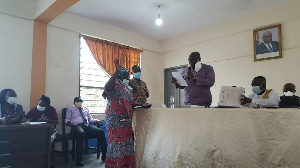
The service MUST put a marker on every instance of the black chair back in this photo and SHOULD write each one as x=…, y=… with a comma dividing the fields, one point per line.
x=63, y=117
x=70, y=136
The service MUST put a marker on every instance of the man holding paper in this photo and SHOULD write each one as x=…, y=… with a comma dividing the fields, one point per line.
x=199, y=78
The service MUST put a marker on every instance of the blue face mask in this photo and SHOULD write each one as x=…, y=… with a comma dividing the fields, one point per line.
x=256, y=89
x=40, y=108
x=124, y=82
x=137, y=75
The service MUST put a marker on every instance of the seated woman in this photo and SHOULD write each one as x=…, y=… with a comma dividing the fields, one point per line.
x=43, y=112
x=11, y=112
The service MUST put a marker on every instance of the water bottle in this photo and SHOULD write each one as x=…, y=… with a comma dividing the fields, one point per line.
x=172, y=101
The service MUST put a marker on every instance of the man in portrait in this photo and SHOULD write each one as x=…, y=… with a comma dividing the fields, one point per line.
x=267, y=46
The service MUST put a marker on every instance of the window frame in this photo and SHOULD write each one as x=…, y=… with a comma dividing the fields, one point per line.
x=91, y=87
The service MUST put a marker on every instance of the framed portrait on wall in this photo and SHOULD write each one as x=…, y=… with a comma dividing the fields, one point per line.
x=267, y=43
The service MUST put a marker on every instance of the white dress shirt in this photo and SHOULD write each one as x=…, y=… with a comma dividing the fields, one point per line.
x=258, y=101
x=267, y=45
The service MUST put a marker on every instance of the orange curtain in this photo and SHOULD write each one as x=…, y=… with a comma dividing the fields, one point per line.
x=105, y=52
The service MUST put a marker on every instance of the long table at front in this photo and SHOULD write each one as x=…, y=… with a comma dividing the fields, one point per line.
x=217, y=138
x=25, y=146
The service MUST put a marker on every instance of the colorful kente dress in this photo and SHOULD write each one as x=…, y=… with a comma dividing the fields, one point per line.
x=139, y=91
x=118, y=117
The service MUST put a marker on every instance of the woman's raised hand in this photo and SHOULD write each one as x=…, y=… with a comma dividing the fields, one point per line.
x=118, y=66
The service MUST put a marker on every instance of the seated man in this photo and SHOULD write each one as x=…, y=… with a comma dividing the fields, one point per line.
x=289, y=99
x=139, y=88
x=11, y=112
x=78, y=118
x=261, y=97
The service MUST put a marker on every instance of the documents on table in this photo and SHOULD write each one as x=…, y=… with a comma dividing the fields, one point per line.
x=35, y=123
x=179, y=78
x=192, y=106
x=231, y=96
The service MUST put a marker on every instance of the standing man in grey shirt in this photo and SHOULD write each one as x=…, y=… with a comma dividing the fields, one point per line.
x=199, y=77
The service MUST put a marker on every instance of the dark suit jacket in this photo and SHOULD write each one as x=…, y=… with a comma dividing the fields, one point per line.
x=289, y=101
x=261, y=48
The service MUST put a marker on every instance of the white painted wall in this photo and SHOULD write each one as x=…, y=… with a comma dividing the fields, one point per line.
x=228, y=47
x=26, y=9
x=62, y=75
x=152, y=74
x=91, y=27
x=16, y=56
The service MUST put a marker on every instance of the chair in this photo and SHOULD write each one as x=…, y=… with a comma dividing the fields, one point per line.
x=85, y=148
x=56, y=153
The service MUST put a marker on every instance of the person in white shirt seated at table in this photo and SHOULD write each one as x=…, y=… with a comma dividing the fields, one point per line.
x=261, y=97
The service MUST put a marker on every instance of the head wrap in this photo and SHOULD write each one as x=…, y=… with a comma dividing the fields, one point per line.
x=45, y=99
x=124, y=73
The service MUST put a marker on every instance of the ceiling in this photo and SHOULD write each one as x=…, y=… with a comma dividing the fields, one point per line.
x=138, y=16
x=179, y=16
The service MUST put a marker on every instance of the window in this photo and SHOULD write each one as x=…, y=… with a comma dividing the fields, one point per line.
x=92, y=80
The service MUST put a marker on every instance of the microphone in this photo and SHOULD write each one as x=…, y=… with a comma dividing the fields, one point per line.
x=189, y=70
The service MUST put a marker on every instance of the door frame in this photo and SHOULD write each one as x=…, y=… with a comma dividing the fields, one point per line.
x=165, y=80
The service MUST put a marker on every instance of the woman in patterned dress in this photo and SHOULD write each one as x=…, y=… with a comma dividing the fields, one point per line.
x=118, y=117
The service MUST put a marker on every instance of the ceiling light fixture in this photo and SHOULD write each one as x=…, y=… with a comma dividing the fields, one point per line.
x=158, y=21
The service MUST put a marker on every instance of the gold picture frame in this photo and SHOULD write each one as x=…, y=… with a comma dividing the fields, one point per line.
x=267, y=43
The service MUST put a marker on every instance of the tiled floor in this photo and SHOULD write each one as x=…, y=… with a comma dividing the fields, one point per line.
x=89, y=160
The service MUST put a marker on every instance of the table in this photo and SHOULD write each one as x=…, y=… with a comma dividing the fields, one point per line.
x=217, y=137
x=25, y=146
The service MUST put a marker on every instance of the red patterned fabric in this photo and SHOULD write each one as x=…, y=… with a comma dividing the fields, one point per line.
x=118, y=117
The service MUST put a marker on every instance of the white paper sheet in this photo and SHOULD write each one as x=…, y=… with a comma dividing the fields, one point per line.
x=267, y=55
x=179, y=78
x=35, y=123
x=195, y=106
x=231, y=96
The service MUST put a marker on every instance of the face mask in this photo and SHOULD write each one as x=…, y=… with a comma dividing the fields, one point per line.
x=11, y=100
x=137, y=75
x=256, y=89
x=39, y=108
x=124, y=82
x=288, y=93
x=78, y=104
x=198, y=66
